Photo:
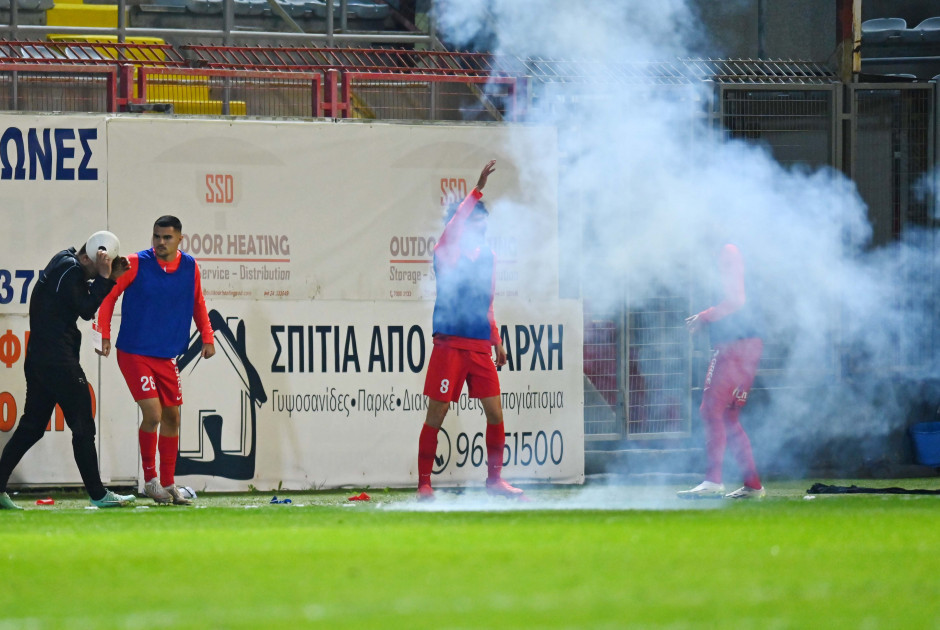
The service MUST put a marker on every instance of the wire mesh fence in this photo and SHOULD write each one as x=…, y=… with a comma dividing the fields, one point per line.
x=381, y=96
x=56, y=89
x=639, y=367
x=603, y=408
x=892, y=156
x=232, y=93
x=796, y=124
x=658, y=367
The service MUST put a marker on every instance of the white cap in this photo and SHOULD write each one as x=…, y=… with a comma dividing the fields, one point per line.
x=103, y=240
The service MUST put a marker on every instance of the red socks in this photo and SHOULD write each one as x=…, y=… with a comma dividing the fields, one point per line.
x=727, y=431
x=715, y=442
x=148, y=453
x=427, y=449
x=169, y=446
x=741, y=448
x=495, y=441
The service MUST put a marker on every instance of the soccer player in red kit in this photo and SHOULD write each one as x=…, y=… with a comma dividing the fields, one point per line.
x=162, y=296
x=735, y=330
x=465, y=334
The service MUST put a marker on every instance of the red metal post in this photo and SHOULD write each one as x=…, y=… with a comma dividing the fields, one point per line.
x=142, y=76
x=345, y=97
x=520, y=98
x=112, y=91
x=331, y=96
x=317, y=98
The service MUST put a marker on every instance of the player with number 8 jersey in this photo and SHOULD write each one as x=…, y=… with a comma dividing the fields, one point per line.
x=465, y=334
x=162, y=296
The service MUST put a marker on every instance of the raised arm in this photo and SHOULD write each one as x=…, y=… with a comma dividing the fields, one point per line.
x=447, y=244
x=84, y=298
x=731, y=266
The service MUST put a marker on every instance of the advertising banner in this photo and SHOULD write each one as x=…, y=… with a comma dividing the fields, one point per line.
x=329, y=394
x=53, y=195
x=314, y=243
x=330, y=211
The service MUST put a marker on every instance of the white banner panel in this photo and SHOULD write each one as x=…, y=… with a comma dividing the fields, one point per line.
x=314, y=242
x=53, y=195
x=329, y=393
x=329, y=211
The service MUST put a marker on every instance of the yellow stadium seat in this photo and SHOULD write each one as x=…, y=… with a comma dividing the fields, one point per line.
x=77, y=14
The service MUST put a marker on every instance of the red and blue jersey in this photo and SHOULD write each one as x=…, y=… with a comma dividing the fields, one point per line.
x=463, y=309
x=160, y=302
x=737, y=315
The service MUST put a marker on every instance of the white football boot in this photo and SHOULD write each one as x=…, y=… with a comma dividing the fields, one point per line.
x=174, y=493
x=746, y=492
x=155, y=491
x=704, y=490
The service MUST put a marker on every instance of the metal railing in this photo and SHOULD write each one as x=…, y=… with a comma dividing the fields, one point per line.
x=416, y=96
x=354, y=59
x=75, y=53
x=637, y=375
x=365, y=83
x=57, y=88
x=216, y=92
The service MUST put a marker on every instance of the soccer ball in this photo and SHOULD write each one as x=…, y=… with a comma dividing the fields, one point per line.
x=103, y=240
x=186, y=492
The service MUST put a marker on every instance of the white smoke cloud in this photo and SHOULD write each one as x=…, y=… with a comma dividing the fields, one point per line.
x=659, y=193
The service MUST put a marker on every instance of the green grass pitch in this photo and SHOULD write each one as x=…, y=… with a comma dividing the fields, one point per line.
x=593, y=557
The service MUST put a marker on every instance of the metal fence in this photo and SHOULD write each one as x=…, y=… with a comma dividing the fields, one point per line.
x=891, y=140
x=278, y=81
x=796, y=124
x=881, y=135
x=639, y=365
x=603, y=386
x=232, y=93
x=400, y=96
x=658, y=352
x=27, y=87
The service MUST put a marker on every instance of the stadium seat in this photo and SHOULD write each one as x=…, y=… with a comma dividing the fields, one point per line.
x=928, y=31
x=204, y=7
x=296, y=8
x=881, y=30
x=38, y=52
x=250, y=7
x=359, y=9
x=930, y=24
x=84, y=54
x=181, y=4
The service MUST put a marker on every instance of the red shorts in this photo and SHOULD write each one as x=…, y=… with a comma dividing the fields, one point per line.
x=449, y=367
x=151, y=377
x=731, y=374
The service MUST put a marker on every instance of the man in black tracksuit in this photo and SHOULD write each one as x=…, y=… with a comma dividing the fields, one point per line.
x=53, y=373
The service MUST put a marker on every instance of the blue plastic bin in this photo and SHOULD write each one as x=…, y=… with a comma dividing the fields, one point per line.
x=926, y=436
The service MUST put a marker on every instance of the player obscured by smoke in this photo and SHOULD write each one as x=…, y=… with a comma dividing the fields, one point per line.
x=465, y=335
